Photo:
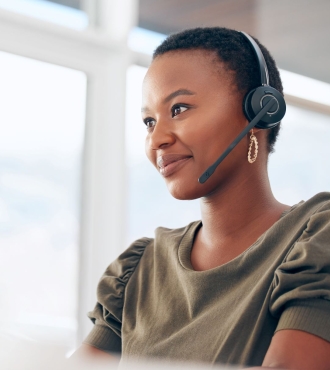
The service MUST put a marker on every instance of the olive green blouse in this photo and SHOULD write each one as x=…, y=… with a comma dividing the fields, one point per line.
x=151, y=303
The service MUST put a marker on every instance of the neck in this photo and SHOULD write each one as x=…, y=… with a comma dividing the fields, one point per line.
x=239, y=211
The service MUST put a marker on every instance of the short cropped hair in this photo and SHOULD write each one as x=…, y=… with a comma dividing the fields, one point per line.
x=232, y=49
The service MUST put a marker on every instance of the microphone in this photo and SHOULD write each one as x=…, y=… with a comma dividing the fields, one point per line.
x=206, y=175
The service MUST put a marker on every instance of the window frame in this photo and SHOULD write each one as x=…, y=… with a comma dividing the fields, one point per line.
x=101, y=52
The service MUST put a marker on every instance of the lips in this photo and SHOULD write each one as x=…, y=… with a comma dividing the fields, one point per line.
x=170, y=163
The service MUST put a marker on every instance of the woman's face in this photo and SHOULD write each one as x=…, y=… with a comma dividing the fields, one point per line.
x=193, y=112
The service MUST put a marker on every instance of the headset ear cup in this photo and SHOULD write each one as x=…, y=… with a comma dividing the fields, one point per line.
x=247, y=109
x=256, y=99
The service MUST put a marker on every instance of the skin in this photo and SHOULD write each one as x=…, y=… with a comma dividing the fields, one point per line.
x=237, y=204
x=87, y=352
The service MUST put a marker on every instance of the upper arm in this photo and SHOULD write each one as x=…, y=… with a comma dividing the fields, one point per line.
x=299, y=350
x=301, y=300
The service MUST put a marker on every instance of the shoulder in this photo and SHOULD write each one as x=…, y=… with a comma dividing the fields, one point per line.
x=145, y=249
x=123, y=267
x=300, y=215
x=160, y=252
x=301, y=285
x=315, y=213
x=167, y=242
x=318, y=202
x=174, y=236
x=313, y=247
x=312, y=218
x=319, y=220
x=305, y=271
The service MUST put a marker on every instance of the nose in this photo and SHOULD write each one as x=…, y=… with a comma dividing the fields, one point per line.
x=161, y=136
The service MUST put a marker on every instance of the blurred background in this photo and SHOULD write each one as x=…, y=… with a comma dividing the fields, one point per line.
x=75, y=186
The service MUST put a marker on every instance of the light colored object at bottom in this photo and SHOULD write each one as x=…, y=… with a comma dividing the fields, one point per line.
x=18, y=354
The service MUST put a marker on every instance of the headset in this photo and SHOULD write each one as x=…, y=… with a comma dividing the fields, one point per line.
x=264, y=107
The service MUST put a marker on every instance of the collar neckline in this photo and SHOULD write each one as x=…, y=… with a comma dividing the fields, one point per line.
x=186, y=244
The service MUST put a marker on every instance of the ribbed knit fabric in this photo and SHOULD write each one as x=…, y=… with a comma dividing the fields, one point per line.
x=155, y=304
x=101, y=339
x=309, y=315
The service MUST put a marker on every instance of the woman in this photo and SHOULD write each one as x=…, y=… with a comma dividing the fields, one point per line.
x=248, y=284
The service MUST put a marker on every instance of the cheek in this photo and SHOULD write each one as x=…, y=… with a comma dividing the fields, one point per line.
x=151, y=155
x=212, y=131
x=225, y=127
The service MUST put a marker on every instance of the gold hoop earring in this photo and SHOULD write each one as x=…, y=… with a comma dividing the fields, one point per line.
x=254, y=140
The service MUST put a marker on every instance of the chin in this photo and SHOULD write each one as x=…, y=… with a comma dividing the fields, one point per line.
x=183, y=191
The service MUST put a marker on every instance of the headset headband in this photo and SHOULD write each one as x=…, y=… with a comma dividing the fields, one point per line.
x=263, y=106
x=264, y=78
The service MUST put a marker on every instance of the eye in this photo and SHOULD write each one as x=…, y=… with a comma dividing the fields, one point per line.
x=149, y=122
x=177, y=109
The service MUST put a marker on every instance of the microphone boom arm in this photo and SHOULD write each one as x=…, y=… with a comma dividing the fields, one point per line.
x=206, y=175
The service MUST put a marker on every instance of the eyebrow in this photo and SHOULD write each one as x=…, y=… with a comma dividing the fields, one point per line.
x=171, y=96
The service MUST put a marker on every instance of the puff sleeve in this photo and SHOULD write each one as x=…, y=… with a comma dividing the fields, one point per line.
x=301, y=286
x=107, y=314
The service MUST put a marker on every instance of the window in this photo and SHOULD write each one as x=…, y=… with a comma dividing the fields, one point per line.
x=91, y=194
x=42, y=118
x=299, y=167
x=59, y=12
